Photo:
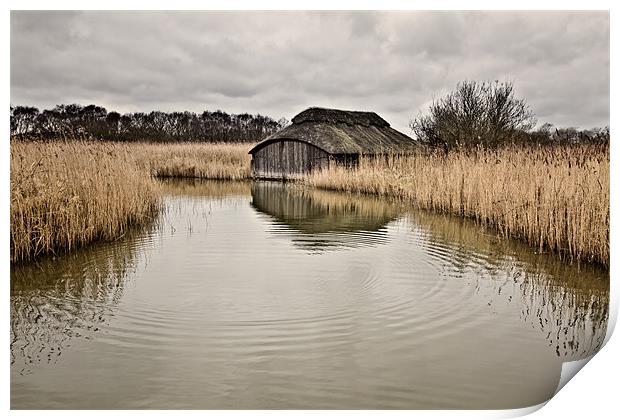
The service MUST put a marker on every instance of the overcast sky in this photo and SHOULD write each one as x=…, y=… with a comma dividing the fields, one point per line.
x=279, y=63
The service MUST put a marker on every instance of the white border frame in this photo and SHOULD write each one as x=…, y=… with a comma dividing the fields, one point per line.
x=591, y=395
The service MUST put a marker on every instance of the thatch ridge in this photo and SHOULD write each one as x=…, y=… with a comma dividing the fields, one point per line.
x=343, y=132
x=335, y=116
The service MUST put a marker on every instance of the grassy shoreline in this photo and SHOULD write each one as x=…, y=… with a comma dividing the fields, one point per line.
x=554, y=198
x=67, y=194
x=226, y=161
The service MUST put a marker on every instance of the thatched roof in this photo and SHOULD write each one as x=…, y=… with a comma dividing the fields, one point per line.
x=343, y=132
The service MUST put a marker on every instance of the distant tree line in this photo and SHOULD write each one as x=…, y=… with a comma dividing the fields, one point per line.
x=489, y=114
x=95, y=122
x=474, y=114
x=548, y=134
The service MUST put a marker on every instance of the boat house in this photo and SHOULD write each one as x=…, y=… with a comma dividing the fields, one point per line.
x=319, y=137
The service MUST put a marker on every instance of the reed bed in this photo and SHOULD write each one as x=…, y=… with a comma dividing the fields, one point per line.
x=555, y=197
x=229, y=161
x=68, y=194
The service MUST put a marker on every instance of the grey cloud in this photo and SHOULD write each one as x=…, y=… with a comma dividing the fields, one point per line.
x=278, y=63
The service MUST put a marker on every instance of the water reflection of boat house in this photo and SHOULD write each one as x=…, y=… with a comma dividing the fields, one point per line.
x=317, y=220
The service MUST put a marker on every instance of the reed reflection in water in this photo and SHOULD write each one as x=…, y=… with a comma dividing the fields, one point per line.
x=56, y=300
x=268, y=295
x=567, y=302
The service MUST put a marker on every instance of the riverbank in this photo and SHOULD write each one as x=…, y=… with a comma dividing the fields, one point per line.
x=64, y=195
x=226, y=161
x=555, y=198
x=68, y=194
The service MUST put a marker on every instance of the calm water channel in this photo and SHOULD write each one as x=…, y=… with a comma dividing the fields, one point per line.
x=269, y=296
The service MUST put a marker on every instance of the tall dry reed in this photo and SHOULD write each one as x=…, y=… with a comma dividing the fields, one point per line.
x=67, y=194
x=555, y=198
x=195, y=160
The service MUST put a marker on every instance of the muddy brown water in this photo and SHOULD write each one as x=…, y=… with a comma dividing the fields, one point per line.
x=270, y=296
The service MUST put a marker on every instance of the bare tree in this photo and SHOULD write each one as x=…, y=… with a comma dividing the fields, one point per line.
x=476, y=113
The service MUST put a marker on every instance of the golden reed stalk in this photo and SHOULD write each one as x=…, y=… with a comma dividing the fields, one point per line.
x=195, y=160
x=67, y=194
x=556, y=198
